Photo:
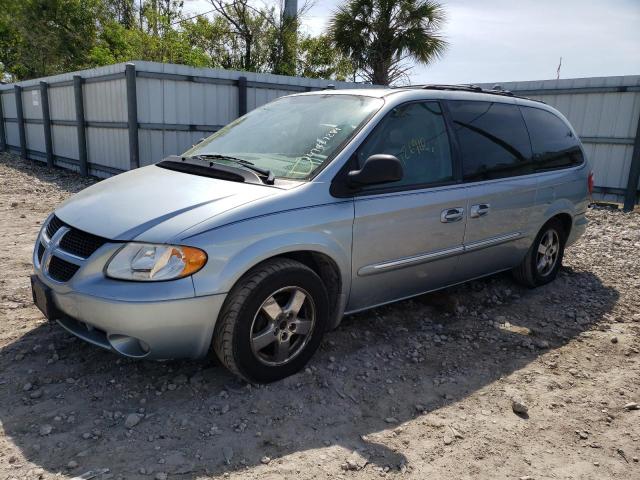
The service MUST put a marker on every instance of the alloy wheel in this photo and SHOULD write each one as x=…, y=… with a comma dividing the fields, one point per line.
x=548, y=251
x=282, y=326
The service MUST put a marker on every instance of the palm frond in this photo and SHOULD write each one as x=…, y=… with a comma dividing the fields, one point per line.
x=381, y=37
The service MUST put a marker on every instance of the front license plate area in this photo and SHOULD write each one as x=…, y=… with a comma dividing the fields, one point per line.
x=42, y=297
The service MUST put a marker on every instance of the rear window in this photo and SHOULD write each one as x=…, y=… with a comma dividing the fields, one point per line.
x=493, y=140
x=554, y=144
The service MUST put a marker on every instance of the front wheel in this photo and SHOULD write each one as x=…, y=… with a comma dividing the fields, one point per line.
x=544, y=259
x=272, y=322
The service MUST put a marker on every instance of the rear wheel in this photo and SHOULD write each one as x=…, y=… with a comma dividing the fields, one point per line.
x=272, y=322
x=544, y=259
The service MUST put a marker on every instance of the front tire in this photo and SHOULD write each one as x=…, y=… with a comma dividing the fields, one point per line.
x=544, y=259
x=272, y=322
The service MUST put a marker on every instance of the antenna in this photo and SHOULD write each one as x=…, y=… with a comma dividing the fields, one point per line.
x=558, y=71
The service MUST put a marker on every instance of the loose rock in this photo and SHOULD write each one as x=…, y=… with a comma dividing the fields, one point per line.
x=45, y=429
x=518, y=406
x=132, y=420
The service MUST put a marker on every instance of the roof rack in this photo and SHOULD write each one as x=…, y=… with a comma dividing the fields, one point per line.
x=496, y=90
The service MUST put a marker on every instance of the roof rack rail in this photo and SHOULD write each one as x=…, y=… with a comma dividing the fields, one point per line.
x=496, y=90
x=469, y=87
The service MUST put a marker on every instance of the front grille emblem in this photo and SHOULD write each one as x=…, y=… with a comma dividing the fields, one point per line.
x=62, y=249
x=51, y=246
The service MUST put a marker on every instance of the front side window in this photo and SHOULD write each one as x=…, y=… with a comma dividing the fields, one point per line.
x=416, y=134
x=493, y=140
x=554, y=144
x=292, y=136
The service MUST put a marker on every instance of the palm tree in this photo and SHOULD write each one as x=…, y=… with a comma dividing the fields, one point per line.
x=381, y=36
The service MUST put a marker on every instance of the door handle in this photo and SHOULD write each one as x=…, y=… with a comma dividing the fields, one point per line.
x=479, y=210
x=450, y=215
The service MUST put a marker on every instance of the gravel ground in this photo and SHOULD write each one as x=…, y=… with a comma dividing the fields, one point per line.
x=485, y=381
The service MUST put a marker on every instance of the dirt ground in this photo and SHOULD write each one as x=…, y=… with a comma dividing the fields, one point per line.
x=422, y=389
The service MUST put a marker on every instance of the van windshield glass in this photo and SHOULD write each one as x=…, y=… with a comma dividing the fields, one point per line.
x=292, y=136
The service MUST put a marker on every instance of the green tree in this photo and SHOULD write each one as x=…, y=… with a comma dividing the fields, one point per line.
x=49, y=36
x=46, y=37
x=318, y=59
x=122, y=11
x=159, y=16
x=118, y=44
x=10, y=42
x=215, y=39
x=249, y=28
x=283, y=36
x=382, y=36
x=283, y=39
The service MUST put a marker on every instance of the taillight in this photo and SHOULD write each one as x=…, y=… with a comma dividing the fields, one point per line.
x=590, y=182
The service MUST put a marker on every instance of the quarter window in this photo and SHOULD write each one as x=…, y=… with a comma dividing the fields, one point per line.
x=416, y=134
x=554, y=144
x=493, y=140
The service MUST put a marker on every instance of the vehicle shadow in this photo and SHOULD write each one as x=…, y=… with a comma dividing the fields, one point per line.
x=63, y=401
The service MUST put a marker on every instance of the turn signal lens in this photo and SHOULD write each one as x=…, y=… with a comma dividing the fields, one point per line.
x=590, y=182
x=148, y=263
x=194, y=259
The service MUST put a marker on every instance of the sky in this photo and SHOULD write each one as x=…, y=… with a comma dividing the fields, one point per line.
x=507, y=40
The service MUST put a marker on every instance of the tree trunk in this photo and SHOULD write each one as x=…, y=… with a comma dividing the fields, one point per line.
x=247, y=53
x=380, y=74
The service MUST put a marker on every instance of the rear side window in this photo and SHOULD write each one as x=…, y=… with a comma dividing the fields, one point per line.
x=554, y=144
x=416, y=134
x=493, y=140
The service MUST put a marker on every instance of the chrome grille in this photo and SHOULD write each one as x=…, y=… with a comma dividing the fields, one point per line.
x=61, y=249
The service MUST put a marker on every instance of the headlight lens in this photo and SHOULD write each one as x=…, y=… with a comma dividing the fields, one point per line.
x=148, y=263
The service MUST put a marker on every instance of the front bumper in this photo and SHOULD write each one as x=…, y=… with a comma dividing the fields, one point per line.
x=155, y=320
x=156, y=330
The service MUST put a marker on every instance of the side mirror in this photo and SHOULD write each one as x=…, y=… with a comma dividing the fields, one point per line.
x=377, y=169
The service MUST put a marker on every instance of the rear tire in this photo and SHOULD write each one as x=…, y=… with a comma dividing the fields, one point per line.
x=272, y=322
x=544, y=259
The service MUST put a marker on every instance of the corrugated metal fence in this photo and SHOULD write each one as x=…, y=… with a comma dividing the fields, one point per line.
x=110, y=119
x=605, y=111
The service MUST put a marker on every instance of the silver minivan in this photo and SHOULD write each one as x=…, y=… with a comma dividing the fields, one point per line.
x=261, y=237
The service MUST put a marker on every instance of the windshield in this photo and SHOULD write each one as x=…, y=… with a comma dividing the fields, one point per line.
x=292, y=136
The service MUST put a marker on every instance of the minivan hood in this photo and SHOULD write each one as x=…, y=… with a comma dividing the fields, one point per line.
x=154, y=204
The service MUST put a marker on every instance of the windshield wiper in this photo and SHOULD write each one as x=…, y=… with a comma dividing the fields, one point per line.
x=265, y=175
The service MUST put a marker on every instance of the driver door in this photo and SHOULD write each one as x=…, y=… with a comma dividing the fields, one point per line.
x=407, y=235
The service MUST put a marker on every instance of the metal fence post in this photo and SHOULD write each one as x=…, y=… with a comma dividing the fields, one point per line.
x=132, y=116
x=634, y=174
x=3, y=135
x=20, y=114
x=242, y=96
x=81, y=124
x=46, y=122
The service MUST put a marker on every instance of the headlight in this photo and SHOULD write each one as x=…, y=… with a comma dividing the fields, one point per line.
x=148, y=263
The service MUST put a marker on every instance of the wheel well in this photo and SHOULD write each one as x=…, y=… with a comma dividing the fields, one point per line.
x=566, y=221
x=326, y=269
